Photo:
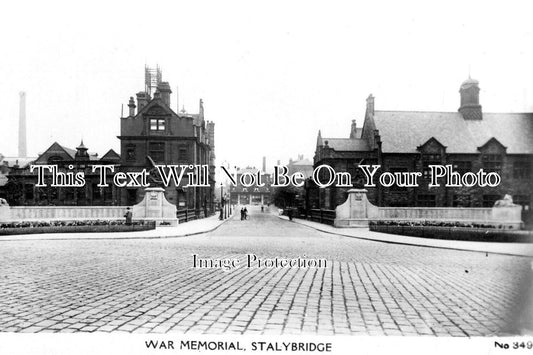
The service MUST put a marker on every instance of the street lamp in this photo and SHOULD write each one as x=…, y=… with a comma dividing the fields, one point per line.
x=222, y=212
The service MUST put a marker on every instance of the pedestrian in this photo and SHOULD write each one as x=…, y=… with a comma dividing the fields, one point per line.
x=242, y=213
x=245, y=213
x=128, y=216
x=290, y=214
x=262, y=208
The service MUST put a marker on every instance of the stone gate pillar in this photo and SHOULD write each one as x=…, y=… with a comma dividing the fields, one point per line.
x=155, y=207
x=356, y=211
x=5, y=211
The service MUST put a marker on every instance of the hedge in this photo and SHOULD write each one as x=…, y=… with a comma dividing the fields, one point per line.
x=92, y=226
x=455, y=233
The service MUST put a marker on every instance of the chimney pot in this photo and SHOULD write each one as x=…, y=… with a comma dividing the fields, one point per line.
x=131, y=105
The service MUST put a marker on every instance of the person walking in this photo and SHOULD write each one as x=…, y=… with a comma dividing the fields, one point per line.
x=242, y=213
x=245, y=213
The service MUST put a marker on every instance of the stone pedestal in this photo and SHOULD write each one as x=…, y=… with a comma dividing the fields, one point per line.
x=5, y=211
x=155, y=207
x=508, y=216
x=356, y=211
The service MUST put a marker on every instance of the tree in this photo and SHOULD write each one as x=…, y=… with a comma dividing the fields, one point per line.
x=288, y=196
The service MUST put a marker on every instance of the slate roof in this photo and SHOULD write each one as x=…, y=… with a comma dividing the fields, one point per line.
x=71, y=152
x=347, y=144
x=404, y=131
x=304, y=161
x=110, y=155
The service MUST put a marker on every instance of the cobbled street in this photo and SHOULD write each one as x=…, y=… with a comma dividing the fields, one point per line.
x=149, y=285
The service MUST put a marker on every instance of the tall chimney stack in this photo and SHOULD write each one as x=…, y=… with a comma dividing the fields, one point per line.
x=22, y=125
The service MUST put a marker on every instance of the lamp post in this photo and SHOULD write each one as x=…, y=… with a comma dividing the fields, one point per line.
x=222, y=212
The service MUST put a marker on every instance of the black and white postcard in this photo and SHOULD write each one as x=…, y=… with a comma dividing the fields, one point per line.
x=182, y=177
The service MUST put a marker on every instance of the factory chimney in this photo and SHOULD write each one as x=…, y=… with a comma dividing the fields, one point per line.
x=22, y=126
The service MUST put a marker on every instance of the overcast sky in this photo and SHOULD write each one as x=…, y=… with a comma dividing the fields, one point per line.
x=271, y=73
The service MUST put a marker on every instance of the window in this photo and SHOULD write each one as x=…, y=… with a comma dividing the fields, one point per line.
x=426, y=200
x=461, y=200
x=108, y=194
x=522, y=200
x=28, y=192
x=69, y=195
x=97, y=192
x=157, y=151
x=462, y=166
x=401, y=180
x=489, y=200
x=522, y=170
x=157, y=124
x=427, y=160
x=130, y=152
x=492, y=163
x=183, y=154
x=54, y=160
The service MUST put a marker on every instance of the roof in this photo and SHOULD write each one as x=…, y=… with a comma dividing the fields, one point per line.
x=347, y=144
x=469, y=82
x=404, y=131
x=69, y=151
x=110, y=155
x=247, y=170
x=81, y=146
x=21, y=162
x=302, y=162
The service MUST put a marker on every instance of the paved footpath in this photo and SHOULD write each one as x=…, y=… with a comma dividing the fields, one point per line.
x=148, y=285
x=518, y=249
x=198, y=226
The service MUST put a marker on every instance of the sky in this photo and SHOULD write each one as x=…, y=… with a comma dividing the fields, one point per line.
x=271, y=74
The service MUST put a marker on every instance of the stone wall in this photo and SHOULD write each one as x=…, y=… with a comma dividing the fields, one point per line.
x=153, y=207
x=357, y=211
x=20, y=213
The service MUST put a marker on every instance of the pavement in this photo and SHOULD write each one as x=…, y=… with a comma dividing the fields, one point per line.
x=519, y=249
x=194, y=227
x=150, y=285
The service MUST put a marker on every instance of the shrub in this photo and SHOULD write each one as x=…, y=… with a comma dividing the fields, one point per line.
x=39, y=224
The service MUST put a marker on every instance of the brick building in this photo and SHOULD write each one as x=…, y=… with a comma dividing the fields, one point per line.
x=401, y=141
x=21, y=189
x=155, y=134
x=253, y=195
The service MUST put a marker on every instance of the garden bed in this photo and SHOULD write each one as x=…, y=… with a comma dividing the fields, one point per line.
x=452, y=231
x=92, y=226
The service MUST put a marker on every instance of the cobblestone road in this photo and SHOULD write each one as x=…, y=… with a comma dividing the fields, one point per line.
x=149, y=286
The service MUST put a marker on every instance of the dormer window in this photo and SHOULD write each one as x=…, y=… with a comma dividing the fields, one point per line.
x=492, y=163
x=157, y=124
x=427, y=160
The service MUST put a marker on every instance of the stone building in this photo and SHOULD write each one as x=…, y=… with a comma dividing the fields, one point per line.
x=253, y=195
x=303, y=165
x=402, y=141
x=153, y=133
x=21, y=189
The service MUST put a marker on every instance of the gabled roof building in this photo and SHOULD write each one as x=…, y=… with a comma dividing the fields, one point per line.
x=468, y=139
x=154, y=134
x=21, y=189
